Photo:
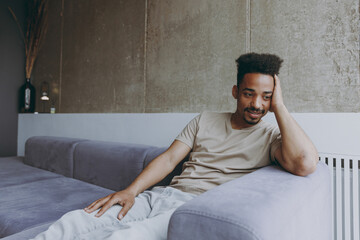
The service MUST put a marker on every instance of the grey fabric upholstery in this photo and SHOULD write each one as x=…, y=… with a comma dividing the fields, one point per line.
x=110, y=165
x=54, y=154
x=42, y=201
x=36, y=193
x=115, y=165
x=267, y=204
x=14, y=172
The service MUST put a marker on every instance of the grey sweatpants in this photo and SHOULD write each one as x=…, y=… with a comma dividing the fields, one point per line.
x=147, y=219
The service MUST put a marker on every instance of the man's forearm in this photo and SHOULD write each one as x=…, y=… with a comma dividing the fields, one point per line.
x=160, y=167
x=298, y=151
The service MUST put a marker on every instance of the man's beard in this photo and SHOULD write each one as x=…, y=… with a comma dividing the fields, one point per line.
x=256, y=111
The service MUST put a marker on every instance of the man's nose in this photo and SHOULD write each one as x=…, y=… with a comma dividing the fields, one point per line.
x=256, y=103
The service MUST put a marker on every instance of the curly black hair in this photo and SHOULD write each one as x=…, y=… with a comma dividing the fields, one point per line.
x=257, y=63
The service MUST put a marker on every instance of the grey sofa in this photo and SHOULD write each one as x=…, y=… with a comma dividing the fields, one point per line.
x=58, y=175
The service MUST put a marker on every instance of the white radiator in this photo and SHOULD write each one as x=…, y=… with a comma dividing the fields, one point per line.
x=345, y=201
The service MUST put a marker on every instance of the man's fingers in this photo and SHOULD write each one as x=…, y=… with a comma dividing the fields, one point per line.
x=96, y=205
x=123, y=198
x=124, y=210
x=277, y=80
x=277, y=83
x=106, y=206
x=92, y=204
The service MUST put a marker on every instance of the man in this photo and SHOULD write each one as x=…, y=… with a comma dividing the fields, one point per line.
x=224, y=146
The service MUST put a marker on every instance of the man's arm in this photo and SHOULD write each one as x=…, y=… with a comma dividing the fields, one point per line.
x=297, y=154
x=158, y=169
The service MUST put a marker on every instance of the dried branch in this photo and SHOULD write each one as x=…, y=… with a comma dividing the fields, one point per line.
x=35, y=33
x=18, y=24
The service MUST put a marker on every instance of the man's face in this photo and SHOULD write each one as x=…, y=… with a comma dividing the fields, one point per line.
x=253, y=98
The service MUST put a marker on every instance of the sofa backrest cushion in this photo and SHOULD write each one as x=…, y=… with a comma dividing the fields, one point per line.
x=54, y=154
x=109, y=164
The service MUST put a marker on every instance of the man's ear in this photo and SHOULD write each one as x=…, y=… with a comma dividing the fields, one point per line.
x=235, y=92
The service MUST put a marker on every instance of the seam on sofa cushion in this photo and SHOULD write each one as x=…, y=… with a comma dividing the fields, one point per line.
x=73, y=156
x=218, y=218
x=75, y=142
x=104, y=163
x=38, y=180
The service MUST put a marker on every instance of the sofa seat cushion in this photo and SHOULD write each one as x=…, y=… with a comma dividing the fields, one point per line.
x=34, y=203
x=14, y=172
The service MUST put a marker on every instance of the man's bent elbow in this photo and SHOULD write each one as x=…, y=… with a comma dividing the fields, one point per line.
x=305, y=166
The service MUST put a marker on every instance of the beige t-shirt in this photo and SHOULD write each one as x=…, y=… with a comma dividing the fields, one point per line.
x=221, y=153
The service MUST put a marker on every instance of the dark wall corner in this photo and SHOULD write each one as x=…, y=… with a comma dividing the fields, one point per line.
x=12, y=73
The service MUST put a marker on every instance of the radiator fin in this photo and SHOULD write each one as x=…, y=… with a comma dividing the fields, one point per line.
x=344, y=171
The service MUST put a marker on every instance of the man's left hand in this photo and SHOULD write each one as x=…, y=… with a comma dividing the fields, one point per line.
x=276, y=100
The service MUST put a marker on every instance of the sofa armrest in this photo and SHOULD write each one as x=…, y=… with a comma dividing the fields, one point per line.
x=264, y=205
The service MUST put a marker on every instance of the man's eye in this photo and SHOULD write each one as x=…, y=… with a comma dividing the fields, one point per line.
x=247, y=94
x=267, y=97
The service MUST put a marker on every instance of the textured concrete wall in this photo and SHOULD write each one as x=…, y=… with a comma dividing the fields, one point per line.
x=94, y=56
x=191, y=52
x=178, y=55
x=319, y=41
x=48, y=64
x=103, y=56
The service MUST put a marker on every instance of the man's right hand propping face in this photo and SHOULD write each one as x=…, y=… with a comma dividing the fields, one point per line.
x=124, y=198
